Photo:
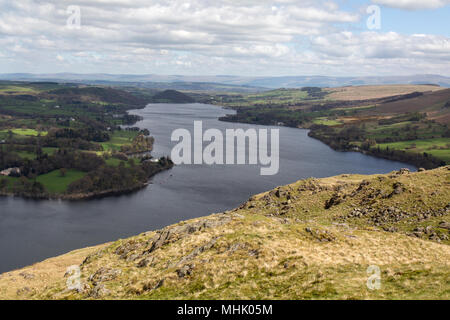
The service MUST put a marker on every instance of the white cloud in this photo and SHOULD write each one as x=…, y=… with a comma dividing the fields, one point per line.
x=413, y=4
x=205, y=36
x=385, y=53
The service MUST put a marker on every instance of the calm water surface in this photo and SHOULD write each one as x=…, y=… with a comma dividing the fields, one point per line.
x=31, y=231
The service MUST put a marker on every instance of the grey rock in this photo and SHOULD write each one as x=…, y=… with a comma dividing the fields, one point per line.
x=99, y=291
x=197, y=251
x=149, y=261
x=186, y=270
x=104, y=274
x=444, y=225
x=172, y=234
x=27, y=276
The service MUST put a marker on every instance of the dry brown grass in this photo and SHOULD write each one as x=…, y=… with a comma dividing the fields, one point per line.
x=34, y=279
x=425, y=103
x=376, y=92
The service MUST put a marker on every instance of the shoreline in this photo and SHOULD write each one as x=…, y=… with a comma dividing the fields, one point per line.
x=326, y=142
x=85, y=196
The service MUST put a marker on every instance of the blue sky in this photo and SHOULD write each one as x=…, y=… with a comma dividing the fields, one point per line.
x=209, y=37
x=428, y=21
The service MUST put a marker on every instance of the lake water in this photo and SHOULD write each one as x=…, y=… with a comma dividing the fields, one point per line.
x=31, y=231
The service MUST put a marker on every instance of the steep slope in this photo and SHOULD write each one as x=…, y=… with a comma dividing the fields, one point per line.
x=314, y=239
x=432, y=103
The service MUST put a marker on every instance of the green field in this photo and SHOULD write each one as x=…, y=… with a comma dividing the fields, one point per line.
x=118, y=139
x=49, y=150
x=30, y=155
x=16, y=90
x=54, y=183
x=326, y=122
x=26, y=132
x=116, y=162
x=439, y=147
x=273, y=97
x=26, y=155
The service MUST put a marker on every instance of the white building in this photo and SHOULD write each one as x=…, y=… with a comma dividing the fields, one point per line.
x=7, y=172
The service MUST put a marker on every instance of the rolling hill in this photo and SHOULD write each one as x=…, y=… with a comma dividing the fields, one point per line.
x=172, y=96
x=261, y=81
x=434, y=103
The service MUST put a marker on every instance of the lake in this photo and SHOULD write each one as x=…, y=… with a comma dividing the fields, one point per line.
x=31, y=231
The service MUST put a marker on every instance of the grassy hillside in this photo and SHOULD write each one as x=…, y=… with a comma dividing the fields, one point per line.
x=314, y=239
x=376, y=92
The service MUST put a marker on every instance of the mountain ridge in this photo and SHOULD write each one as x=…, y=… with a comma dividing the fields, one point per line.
x=269, y=82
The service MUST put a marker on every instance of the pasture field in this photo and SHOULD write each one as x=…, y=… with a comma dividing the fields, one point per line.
x=116, y=162
x=267, y=98
x=439, y=147
x=55, y=183
x=26, y=155
x=26, y=132
x=16, y=90
x=49, y=150
x=118, y=139
x=326, y=122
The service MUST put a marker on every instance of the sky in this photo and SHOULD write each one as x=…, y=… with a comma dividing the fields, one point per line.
x=226, y=37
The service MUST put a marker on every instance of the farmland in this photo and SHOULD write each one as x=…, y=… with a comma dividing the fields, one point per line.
x=438, y=147
x=56, y=182
x=26, y=132
x=119, y=139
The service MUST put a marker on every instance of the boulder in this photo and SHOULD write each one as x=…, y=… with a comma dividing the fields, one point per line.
x=444, y=225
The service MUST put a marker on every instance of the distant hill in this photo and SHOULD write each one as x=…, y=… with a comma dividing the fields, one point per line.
x=172, y=96
x=108, y=95
x=240, y=82
x=321, y=81
x=201, y=87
